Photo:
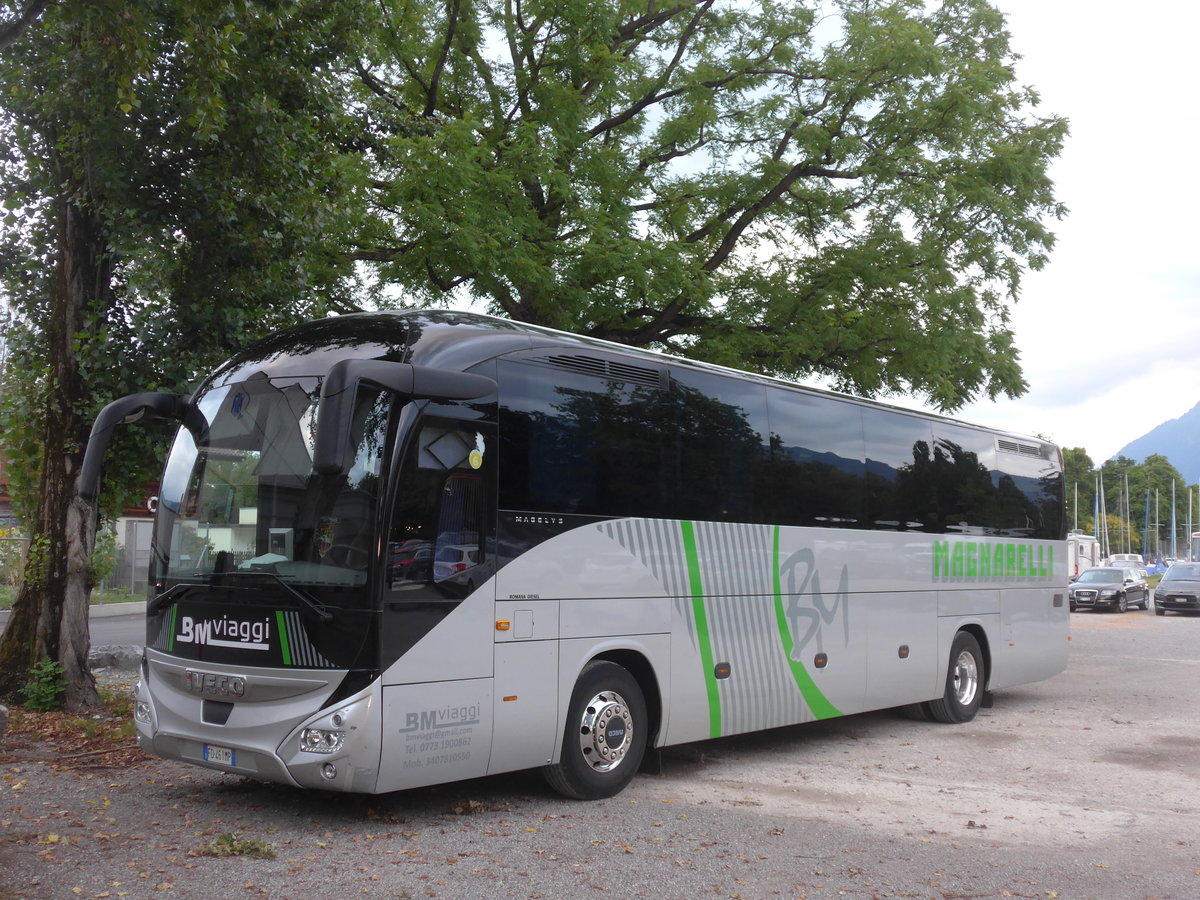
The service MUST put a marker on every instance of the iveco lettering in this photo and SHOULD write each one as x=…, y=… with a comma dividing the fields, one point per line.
x=397, y=549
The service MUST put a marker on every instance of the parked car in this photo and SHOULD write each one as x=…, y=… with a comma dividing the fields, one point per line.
x=1109, y=586
x=412, y=561
x=1178, y=589
x=452, y=560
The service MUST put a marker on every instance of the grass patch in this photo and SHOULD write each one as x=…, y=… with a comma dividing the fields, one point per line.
x=230, y=844
x=8, y=596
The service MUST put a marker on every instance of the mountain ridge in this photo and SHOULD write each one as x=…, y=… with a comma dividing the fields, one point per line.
x=1176, y=439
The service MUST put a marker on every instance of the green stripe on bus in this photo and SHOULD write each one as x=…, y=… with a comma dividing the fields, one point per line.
x=283, y=641
x=702, y=635
x=171, y=629
x=817, y=702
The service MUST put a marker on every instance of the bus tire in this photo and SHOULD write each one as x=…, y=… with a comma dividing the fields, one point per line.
x=964, y=683
x=605, y=735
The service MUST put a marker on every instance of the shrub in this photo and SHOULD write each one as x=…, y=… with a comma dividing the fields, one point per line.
x=46, y=686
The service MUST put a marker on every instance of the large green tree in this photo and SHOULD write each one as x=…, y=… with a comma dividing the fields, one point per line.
x=847, y=189
x=173, y=187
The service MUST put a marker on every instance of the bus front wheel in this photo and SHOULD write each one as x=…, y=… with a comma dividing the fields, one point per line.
x=964, y=683
x=605, y=736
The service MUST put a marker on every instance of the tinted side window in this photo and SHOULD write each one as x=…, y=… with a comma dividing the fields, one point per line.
x=720, y=446
x=575, y=443
x=1029, y=496
x=817, y=469
x=899, y=469
x=964, y=494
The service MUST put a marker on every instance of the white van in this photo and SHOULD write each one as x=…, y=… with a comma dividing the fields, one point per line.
x=1083, y=552
x=1128, y=561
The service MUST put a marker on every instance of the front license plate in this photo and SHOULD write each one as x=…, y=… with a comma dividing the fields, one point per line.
x=222, y=755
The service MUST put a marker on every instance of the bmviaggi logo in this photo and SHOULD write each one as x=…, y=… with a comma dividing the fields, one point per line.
x=239, y=634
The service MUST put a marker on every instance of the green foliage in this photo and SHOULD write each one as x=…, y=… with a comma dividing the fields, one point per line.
x=736, y=181
x=203, y=139
x=1151, y=481
x=37, y=562
x=45, y=687
x=104, y=556
x=174, y=184
x=229, y=844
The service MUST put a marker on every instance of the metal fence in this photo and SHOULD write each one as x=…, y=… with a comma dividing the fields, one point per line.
x=127, y=580
x=12, y=562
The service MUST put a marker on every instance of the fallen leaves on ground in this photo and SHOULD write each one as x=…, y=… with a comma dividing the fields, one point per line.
x=64, y=740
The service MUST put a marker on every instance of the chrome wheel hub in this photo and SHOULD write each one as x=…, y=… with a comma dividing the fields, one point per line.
x=966, y=678
x=606, y=731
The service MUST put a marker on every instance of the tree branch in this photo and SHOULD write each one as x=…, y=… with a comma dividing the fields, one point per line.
x=436, y=77
x=10, y=32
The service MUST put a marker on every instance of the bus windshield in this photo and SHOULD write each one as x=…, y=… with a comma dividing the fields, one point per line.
x=241, y=497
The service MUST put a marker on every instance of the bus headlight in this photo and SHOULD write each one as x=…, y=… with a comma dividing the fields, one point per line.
x=319, y=740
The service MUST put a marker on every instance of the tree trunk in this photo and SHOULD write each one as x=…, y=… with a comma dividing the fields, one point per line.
x=50, y=615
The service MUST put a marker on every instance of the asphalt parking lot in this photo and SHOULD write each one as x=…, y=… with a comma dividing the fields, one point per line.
x=1083, y=786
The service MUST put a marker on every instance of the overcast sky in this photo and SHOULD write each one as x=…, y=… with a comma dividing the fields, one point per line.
x=1109, y=331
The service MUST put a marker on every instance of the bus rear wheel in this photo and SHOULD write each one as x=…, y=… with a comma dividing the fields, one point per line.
x=605, y=736
x=964, y=683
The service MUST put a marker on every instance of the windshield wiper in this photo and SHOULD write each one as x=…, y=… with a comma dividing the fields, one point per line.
x=217, y=579
x=170, y=595
x=319, y=609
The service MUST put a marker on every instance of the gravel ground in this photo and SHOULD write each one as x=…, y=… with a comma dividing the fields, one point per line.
x=1084, y=786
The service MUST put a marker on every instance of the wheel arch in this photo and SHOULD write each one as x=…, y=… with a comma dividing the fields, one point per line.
x=637, y=664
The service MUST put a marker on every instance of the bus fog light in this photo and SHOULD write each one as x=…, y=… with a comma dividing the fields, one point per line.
x=141, y=712
x=329, y=771
x=318, y=740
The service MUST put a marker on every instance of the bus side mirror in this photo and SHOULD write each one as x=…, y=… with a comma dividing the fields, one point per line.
x=340, y=388
x=126, y=410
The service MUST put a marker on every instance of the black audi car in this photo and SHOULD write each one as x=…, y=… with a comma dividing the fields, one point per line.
x=1109, y=587
x=1178, y=589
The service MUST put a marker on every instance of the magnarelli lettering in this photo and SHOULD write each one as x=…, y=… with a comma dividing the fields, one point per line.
x=448, y=717
x=991, y=561
x=226, y=632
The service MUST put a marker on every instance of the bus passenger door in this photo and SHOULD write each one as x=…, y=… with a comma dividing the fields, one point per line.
x=438, y=588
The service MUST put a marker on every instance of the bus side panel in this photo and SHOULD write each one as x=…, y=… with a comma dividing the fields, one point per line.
x=763, y=633
x=969, y=602
x=459, y=646
x=599, y=561
x=760, y=616
x=903, y=659
x=434, y=733
x=1034, y=644
x=527, y=705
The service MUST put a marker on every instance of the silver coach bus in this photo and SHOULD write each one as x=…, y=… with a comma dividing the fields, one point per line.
x=399, y=549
